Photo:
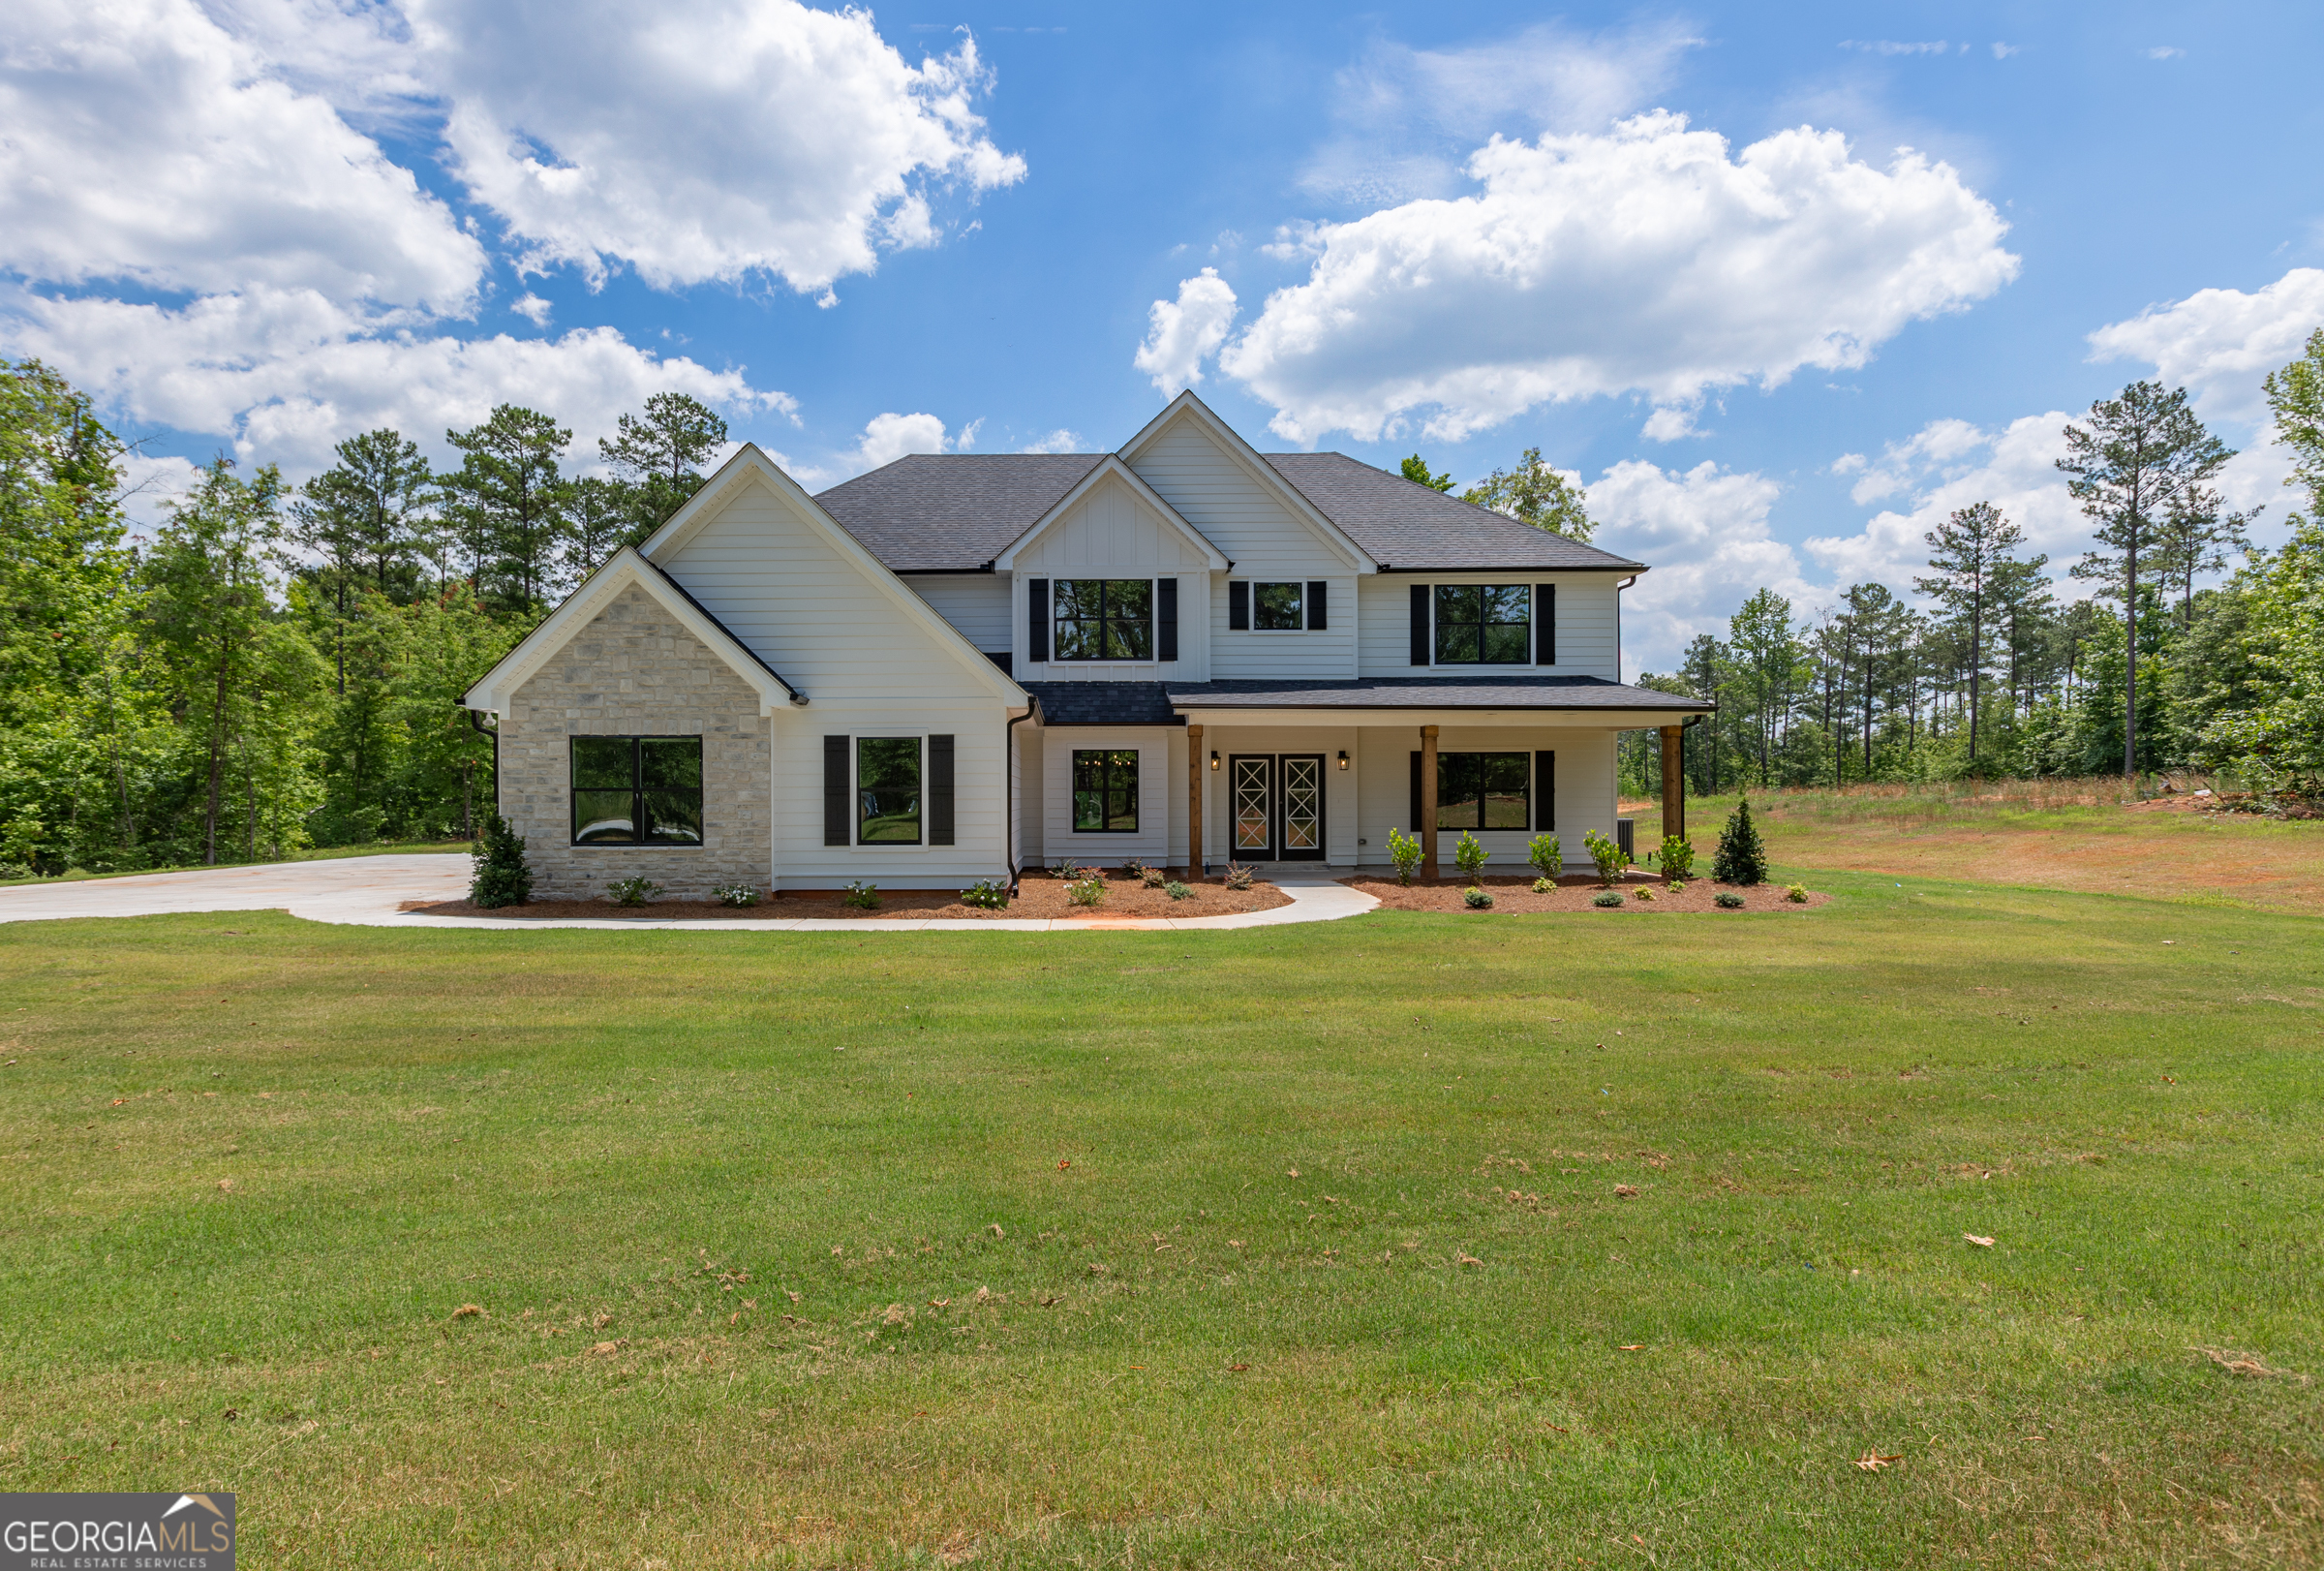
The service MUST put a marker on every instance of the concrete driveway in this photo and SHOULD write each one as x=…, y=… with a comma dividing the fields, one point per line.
x=370, y=891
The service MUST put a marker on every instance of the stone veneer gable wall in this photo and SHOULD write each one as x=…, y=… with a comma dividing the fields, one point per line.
x=636, y=672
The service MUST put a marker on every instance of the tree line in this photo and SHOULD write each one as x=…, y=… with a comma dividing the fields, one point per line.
x=279, y=666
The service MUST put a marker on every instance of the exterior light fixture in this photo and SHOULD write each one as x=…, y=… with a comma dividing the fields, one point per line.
x=1214, y=760
x=1343, y=758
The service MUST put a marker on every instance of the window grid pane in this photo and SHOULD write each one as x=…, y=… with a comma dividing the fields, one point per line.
x=1484, y=625
x=1484, y=791
x=1105, y=790
x=636, y=790
x=1103, y=619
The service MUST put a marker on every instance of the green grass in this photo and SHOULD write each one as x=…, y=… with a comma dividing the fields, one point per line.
x=1188, y=1355
x=313, y=853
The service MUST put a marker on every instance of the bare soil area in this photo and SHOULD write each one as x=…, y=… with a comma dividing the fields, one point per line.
x=1039, y=897
x=1516, y=896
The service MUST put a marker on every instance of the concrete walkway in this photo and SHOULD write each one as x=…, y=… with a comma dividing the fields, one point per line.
x=367, y=891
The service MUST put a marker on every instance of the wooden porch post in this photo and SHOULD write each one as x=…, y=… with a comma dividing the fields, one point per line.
x=1674, y=780
x=1427, y=801
x=1195, y=864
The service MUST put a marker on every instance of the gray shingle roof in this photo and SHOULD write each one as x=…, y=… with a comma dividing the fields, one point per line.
x=1411, y=528
x=1104, y=703
x=953, y=513
x=1432, y=692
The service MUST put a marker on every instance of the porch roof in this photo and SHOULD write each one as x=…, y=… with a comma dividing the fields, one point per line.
x=1560, y=692
x=1104, y=703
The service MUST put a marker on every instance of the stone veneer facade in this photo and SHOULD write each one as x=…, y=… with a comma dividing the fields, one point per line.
x=636, y=672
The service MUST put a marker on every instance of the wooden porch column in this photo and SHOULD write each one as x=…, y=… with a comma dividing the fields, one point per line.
x=1674, y=780
x=1427, y=801
x=1194, y=803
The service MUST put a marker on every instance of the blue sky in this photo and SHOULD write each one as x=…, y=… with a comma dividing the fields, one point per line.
x=1678, y=249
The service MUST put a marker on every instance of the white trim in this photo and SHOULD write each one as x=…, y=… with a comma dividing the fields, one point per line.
x=750, y=463
x=1006, y=562
x=1592, y=720
x=1187, y=406
x=855, y=793
x=495, y=690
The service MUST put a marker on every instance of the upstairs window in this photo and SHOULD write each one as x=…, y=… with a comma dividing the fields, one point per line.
x=1484, y=625
x=1278, y=607
x=637, y=790
x=1103, y=619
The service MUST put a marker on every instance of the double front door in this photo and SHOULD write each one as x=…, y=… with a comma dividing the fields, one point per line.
x=1276, y=806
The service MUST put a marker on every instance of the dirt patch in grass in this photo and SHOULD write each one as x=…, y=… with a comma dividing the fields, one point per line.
x=1516, y=896
x=1039, y=897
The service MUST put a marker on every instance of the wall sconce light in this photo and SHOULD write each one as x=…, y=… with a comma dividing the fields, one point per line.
x=1214, y=761
x=1343, y=758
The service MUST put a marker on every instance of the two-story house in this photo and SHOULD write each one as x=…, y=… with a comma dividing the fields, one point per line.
x=959, y=666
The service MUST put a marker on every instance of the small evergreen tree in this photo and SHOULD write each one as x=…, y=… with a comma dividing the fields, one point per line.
x=1741, y=858
x=502, y=876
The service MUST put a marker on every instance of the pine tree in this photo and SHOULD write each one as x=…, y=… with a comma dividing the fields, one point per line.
x=502, y=876
x=1741, y=858
x=1416, y=470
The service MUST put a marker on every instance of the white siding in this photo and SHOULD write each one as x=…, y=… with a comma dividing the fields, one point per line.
x=1161, y=834
x=1195, y=592
x=1327, y=654
x=975, y=603
x=1245, y=517
x=1113, y=533
x=1589, y=630
x=869, y=669
x=1585, y=797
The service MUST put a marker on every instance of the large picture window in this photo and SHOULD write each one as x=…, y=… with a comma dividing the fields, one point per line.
x=887, y=790
x=1483, y=624
x=1103, y=619
x=1105, y=790
x=1482, y=791
x=637, y=790
x=1277, y=609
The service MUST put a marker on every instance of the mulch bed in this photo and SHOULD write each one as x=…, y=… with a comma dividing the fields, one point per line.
x=1516, y=896
x=1039, y=897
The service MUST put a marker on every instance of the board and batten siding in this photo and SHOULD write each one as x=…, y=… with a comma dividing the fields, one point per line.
x=1589, y=624
x=1113, y=532
x=1249, y=522
x=975, y=603
x=869, y=669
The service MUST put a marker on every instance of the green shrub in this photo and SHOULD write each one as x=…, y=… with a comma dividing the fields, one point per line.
x=10, y=871
x=1608, y=898
x=1678, y=859
x=1677, y=886
x=1547, y=860
x=503, y=876
x=1608, y=854
x=988, y=894
x=1726, y=900
x=1468, y=855
x=1796, y=893
x=1476, y=898
x=738, y=895
x=1062, y=870
x=635, y=891
x=1179, y=891
x=1542, y=886
x=1086, y=891
x=1643, y=893
x=1238, y=876
x=1741, y=858
x=1405, y=853
x=863, y=895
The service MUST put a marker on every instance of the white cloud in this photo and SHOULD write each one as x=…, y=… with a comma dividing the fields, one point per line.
x=2002, y=51
x=1893, y=46
x=1059, y=440
x=534, y=309
x=144, y=143
x=286, y=374
x=705, y=142
x=1671, y=422
x=2219, y=342
x=2165, y=51
x=889, y=437
x=149, y=483
x=1705, y=534
x=1182, y=334
x=1644, y=259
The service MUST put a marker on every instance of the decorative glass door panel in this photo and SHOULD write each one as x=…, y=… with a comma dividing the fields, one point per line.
x=1303, y=807
x=1254, y=808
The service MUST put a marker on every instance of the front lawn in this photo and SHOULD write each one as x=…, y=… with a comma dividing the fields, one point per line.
x=1310, y=1246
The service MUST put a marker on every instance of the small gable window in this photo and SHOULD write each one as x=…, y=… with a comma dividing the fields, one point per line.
x=1105, y=790
x=1483, y=624
x=887, y=790
x=1103, y=619
x=1278, y=607
x=1482, y=791
x=637, y=790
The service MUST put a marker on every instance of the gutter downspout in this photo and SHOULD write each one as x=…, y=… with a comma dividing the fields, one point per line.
x=1008, y=744
x=475, y=718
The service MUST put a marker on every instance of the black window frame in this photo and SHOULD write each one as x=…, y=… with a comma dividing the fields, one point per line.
x=862, y=813
x=638, y=792
x=1111, y=759
x=1449, y=766
x=1108, y=625
x=1299, y=606
x=1514, y=637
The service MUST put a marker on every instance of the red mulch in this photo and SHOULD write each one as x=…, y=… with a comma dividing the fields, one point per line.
x=1514, y=895
x=1039, y=897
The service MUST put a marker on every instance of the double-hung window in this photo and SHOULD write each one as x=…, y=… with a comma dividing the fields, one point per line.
x=887, y=790
x=1105, y=790
x=1103, y=619
x=1484, y=791
x=637, y=790
x=1483, y=624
